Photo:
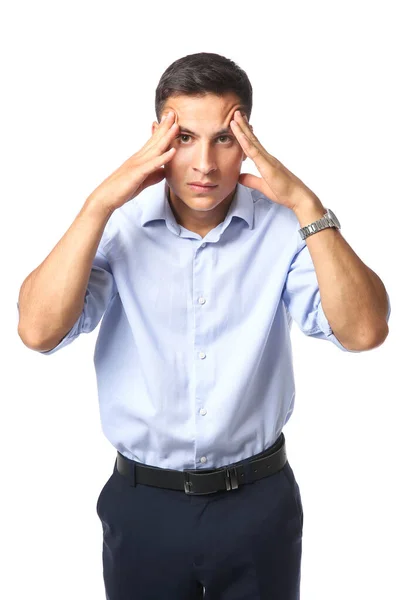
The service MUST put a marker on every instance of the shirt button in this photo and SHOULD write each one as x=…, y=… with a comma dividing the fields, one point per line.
x=202, y=354
x=203, y=459
x=203, y=245
x=202, y=300
x=203, y=411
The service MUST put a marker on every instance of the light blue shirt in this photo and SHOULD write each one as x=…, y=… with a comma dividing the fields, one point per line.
x=193, y=358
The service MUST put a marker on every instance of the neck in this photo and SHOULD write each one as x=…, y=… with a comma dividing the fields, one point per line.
x=199, y=221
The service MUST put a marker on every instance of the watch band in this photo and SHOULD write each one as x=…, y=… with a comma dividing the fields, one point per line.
x=328, y=220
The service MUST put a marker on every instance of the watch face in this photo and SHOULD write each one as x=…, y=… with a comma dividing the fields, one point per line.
x=334, y=218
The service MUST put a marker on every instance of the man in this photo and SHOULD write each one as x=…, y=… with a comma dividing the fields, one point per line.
x=198, y=282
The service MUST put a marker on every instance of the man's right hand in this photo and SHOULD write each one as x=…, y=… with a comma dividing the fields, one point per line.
x=141, y=170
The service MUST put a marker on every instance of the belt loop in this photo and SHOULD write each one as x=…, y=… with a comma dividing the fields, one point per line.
x=132, y=469
x=247, y=472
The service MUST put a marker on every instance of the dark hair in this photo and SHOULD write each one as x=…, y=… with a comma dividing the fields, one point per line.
x=202, y=73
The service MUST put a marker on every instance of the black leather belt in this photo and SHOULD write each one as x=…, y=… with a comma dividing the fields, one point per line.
x=202, y=481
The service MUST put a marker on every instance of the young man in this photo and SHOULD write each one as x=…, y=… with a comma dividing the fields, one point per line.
x=198, y=282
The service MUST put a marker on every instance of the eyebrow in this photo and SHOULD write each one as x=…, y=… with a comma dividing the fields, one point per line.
x=220, y=132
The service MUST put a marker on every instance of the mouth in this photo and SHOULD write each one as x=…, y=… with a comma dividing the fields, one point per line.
x=202, y=188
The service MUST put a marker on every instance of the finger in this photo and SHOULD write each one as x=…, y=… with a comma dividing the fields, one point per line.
x=165, y=141
x=152, y=164
x=167, y=120
x=162, y=137
x=167, y=115
x=245, y=126
x=160, y=160
x=256, y=152
x=248, y=180
x=247, y=145
x=166, y=126
x=154, y=178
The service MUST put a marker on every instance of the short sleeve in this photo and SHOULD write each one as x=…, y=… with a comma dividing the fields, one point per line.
x=100, y=290
x=302, y=298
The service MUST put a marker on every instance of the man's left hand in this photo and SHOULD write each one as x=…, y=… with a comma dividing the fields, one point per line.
x=276, y=181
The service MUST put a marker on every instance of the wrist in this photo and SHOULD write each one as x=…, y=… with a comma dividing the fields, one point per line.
x=96, y=207
x=308, y=211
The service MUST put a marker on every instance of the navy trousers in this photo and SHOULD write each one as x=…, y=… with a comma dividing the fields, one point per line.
x=243, y=544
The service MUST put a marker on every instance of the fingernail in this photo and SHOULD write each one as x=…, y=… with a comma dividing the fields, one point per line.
x=163, y=118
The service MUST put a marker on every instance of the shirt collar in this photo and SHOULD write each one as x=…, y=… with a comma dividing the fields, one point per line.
x=158, y=207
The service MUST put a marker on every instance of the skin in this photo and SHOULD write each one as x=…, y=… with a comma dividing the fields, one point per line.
x=203, y=157
x=353, y=296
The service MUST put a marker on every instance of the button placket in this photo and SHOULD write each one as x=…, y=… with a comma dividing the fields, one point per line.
x=201, y=328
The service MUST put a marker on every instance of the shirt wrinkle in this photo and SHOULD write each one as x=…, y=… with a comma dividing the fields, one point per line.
x=193, y=357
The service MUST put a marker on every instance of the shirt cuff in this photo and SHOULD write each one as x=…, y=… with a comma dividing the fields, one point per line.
x=325, y=327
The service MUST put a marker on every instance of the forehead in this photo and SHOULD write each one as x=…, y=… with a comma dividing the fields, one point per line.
x=210, y=110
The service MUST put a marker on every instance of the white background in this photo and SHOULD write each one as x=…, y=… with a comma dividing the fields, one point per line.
x=79, y=82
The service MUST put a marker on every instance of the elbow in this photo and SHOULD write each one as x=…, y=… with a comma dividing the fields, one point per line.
x=376, y=340
x=33, y=343
x=28, y=341
x=364, y=343
x=379, y=337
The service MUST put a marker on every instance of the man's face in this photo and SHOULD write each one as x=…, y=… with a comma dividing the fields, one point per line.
x=203, y=152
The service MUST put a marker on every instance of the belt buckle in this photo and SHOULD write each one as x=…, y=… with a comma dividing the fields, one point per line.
x=231, y=479
x=231, y=482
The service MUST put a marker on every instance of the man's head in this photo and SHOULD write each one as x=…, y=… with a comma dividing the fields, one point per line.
x=204, y=90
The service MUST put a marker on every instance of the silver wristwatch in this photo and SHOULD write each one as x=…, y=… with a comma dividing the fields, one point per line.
x=328, y=220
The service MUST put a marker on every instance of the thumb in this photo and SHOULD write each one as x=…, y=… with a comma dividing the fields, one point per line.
x=153, y=178
x=251, y=181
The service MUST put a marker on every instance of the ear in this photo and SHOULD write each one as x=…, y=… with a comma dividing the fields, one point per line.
x=154, y=127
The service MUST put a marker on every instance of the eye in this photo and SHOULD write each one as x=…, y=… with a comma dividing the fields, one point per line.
x=182, y=135
x=186, y=135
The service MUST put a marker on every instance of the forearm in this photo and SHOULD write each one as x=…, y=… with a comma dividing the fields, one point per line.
x=352, y=295
x=51, y=298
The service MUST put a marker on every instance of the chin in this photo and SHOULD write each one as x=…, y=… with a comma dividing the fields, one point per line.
x=195, y=201
x=202, y=203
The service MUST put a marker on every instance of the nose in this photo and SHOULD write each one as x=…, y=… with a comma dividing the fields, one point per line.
x=204, y=159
